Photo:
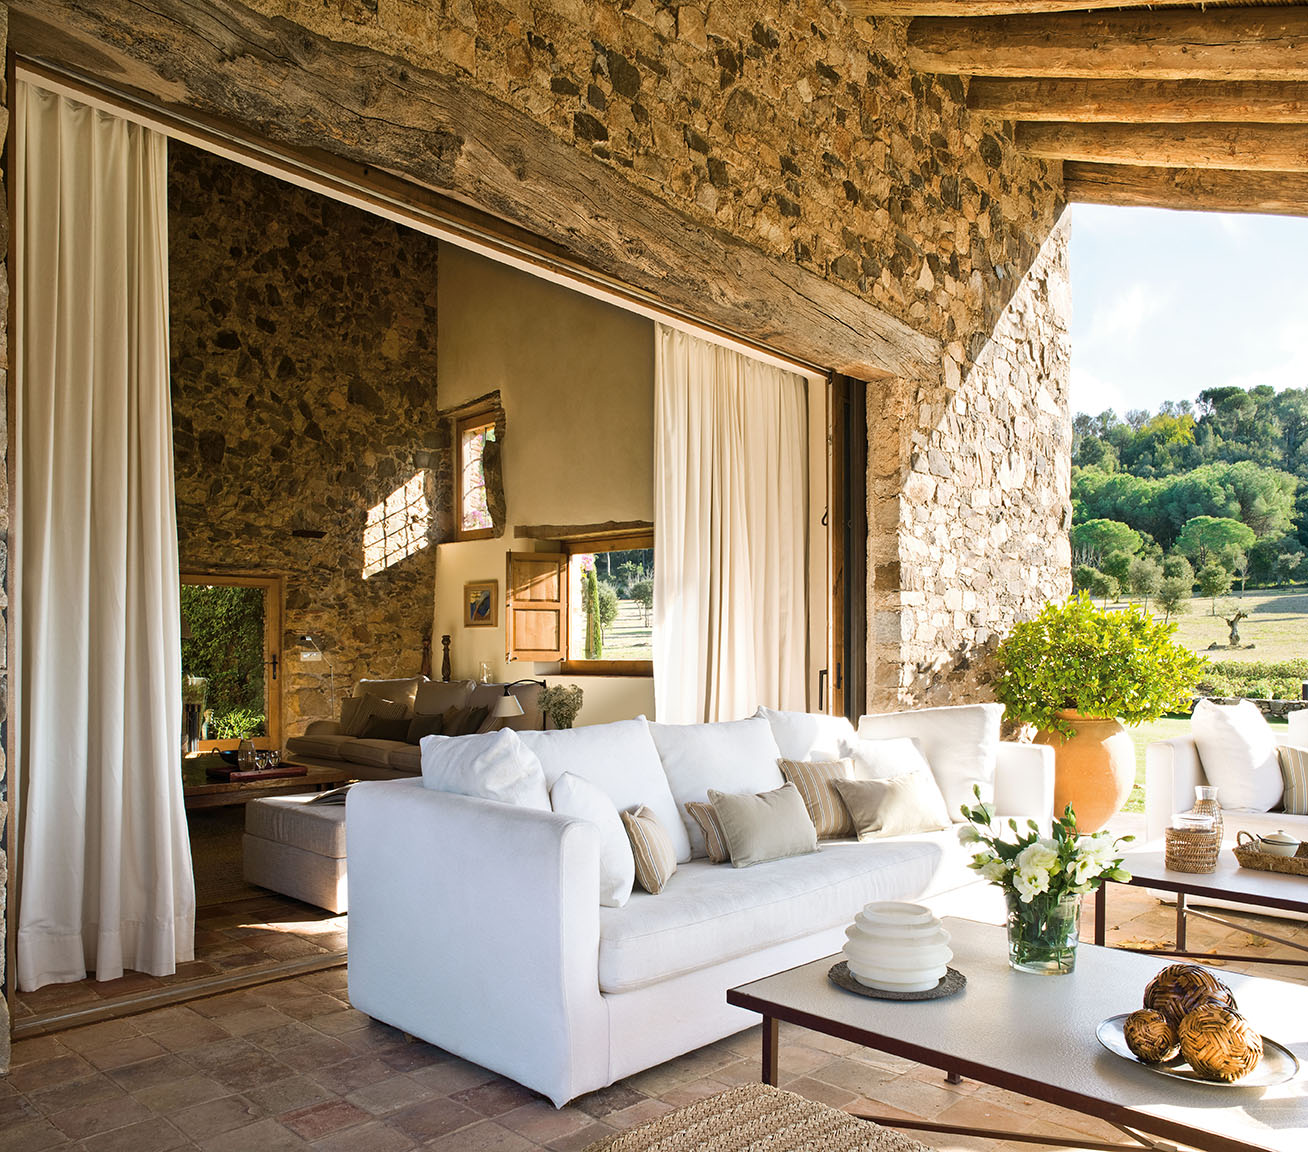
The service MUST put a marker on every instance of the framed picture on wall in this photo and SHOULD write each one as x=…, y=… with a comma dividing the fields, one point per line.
x=480, y=604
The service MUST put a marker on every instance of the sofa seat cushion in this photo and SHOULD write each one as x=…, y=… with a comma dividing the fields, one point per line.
x=295, y=822
x=406, y=759
x=326, y=746
x=708, y=914
x=376, y=753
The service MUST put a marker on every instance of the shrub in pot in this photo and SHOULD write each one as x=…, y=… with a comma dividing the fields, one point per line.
x=1078, y=673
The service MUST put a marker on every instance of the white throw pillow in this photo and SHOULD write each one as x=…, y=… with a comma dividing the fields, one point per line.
x=810, y=735
x=960, y=743
x=573, y=796
x=1238, y=752
x=494, y=766
x=732, y=756
x=621, y=760
x=882, y=759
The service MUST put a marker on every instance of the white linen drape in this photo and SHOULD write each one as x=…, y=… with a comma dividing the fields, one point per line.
x=730, y=546
x=106, y=870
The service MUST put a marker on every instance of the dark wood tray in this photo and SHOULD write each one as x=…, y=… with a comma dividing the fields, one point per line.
x=237, y=775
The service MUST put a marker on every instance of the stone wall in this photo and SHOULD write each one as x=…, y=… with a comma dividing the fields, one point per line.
x=304, y=393
x=800, y=128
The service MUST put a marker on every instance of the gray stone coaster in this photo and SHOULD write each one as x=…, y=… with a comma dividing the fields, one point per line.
x=953, y=981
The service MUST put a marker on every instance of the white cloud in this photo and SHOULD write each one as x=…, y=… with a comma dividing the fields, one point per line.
x=1122, y=319
x=1092, y=394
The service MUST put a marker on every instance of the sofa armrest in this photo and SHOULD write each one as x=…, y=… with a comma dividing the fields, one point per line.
x=1024, y=781
x=1172, y=771
x=475, y=926
x=323, y=728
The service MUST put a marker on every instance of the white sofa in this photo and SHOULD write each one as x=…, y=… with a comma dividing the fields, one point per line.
x=476, y=926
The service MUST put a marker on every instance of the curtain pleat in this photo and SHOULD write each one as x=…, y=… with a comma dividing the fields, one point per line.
x=730, y=543
x=106, y=879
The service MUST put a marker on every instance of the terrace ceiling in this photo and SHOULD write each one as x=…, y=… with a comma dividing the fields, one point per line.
x=1199, y=105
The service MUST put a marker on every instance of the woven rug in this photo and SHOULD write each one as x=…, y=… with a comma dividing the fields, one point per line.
x=216, y=856
x=758, y=1118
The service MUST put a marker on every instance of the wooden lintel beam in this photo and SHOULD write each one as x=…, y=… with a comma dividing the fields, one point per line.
x=954, y=8
x=1142, y=101
x=278, y=81
x=1260, y=147
x=1196, y=189
x=1163, y=44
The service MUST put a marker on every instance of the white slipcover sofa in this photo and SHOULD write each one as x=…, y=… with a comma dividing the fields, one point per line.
x=476, y=924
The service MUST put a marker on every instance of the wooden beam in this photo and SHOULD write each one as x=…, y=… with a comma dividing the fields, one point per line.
x=955, y=8
x=281, y=82
x=1200, y=189
x=1165, y=44
x=1142, y=101
x=1262, y=147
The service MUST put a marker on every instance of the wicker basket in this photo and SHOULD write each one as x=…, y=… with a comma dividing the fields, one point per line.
x=1249, y=857
x=1218, y=1043
x=1190, y=850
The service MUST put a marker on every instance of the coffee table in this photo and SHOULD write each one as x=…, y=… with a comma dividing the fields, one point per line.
x=1035, y=1035
x=1273, y=891
x=199, y=791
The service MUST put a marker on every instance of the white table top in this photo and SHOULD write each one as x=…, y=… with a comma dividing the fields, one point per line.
x=1230, y=881
x=1036, y=1036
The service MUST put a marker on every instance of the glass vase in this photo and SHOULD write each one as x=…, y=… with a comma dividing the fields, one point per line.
x=1042, y=935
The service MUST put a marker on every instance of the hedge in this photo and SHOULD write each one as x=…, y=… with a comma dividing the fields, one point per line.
x=1269, y=679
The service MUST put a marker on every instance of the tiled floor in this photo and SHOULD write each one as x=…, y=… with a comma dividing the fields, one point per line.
x=290, y=1065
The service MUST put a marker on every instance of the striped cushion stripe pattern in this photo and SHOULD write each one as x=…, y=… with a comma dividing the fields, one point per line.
x=656, y=859
x=715, y=842
x=814, y=779
x=1294, y=771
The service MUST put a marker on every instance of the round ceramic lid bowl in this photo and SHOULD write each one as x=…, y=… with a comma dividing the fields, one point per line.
x=903, y=959
x=897, y=982
x=1280, y=836
x=896, y=914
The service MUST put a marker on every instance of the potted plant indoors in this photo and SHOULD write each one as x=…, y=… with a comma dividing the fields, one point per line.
x=1077, y=673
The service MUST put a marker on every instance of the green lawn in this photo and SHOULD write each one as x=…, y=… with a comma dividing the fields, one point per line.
x=1277, y=624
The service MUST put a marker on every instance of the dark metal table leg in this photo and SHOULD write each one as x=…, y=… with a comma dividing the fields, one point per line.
x=1180, y=922
x=1101, y=913
x=770, y=1050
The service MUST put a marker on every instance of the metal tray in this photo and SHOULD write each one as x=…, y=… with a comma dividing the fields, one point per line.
x=1277, y=1066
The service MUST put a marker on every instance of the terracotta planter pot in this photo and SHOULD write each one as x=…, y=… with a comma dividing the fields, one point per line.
x=1093, y=770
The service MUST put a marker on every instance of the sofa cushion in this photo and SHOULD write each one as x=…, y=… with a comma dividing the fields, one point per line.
x=715, y=840
x=707, y=915
x=386, y=728
x=493, y=766
x=732, y=756
x=298, y=823
x=1294, y=776
x=406, y=759
x=573, y=796
x=1238, y=754
x=435, y=697
x=896, y=806
x=651, y=849
x=621, y=759
x=763, y=827
x=359, y=711
x=960, y=743
x=815, y=780
x=401, y=691
x=374, y=752
x=810, y=735
x=326, y=746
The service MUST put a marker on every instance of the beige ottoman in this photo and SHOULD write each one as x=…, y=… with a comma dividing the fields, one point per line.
x=298, y=849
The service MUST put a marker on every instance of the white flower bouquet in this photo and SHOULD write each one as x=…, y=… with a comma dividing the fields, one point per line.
x=1043, y=879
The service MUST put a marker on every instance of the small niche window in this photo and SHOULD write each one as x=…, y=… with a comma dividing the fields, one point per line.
x=472, y=434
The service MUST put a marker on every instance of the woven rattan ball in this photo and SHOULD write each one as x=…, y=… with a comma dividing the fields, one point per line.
x=1218, y=1042
x=1178, y=988
x=1149, y=1035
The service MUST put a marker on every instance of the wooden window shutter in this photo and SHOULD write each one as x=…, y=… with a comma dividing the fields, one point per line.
x=536, y=620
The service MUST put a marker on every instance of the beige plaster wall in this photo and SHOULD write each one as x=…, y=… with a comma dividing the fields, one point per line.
x=576, y=380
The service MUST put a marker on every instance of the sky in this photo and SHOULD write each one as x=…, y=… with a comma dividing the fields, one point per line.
x=1166, y=304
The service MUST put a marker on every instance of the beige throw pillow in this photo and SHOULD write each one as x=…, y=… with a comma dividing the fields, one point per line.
x=357, y=711
x=651, y=846
x=815, y=781
x=715, y=843
x=766, y=826
x=894, y=807
x=1294, y=773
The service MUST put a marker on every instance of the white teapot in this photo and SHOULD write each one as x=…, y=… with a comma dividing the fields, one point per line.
x=1278, y=843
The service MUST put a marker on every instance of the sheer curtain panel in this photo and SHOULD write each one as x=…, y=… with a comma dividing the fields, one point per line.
x=105, y=879
x=730, y=545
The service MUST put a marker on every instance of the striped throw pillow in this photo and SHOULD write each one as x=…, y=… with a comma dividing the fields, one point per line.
x=715, y=843
x=651, y=846
x=1294, y=772
x=814, y=779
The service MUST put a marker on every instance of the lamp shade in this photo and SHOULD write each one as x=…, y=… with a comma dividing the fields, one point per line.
x=506, y=706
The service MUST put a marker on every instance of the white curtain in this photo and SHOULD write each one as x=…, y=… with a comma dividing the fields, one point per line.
x=730, y=547
x=106, y=870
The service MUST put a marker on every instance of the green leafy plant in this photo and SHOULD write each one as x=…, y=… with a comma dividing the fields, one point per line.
x=236, y=724
x=1076, y=657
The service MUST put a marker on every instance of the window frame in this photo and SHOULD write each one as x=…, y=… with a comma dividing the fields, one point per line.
x=626, y=541
x=483, y=416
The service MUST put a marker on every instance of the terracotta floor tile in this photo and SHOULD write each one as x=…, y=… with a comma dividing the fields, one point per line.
x=494, y=1098
x=75, y=1094
x=350, y=1075
x=175, y=1095
x=46, y=1074
x=581, y=1138
x=166, y=1019
x=163, y=1069
x=31, y=1136
x=340, y=1022
x=413, y=1057
x=315, y=1053
x=432, y=1118
x=486, y=1136
x=191, y=1034
x=94, y=1036
x=116, y=1055
x=89, y=1119
x=370, y=1137
x=641, y=1113
x=155, y=1135
x=257, y=1019
x=214, y=1117
x=321, y=1120
x=692, y=1091
x=611, y=1099
x=387, y=1095
x=823, y=1093
x=36, y=1049
x=540, y=1122
x=287, y=1094
x=263, y=1136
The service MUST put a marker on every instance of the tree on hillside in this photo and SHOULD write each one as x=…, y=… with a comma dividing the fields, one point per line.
x=1105, y=587
x=1174, y=596
x=1240, y=566
x=1118, y=566
x=1177, y=567
x=1208, y=538
x=1290, y=566
x=1094, y=540
x=1214, y=581
x=1083, y=578
x=1145, y=578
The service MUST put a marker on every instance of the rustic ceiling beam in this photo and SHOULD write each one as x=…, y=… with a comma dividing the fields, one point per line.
x=1200, y=189
x=955, y=8
x=1262, y=147
x=281, y=82
x=1164, y=44
x=1142, y=101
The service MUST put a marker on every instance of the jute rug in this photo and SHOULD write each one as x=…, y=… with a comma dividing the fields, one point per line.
x=758, y=1118
x=216, y=856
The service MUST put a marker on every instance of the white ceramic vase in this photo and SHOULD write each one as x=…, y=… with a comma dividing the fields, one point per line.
x=897, y=947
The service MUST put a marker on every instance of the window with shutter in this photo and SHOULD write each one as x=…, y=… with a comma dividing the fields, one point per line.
x=536, y=620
